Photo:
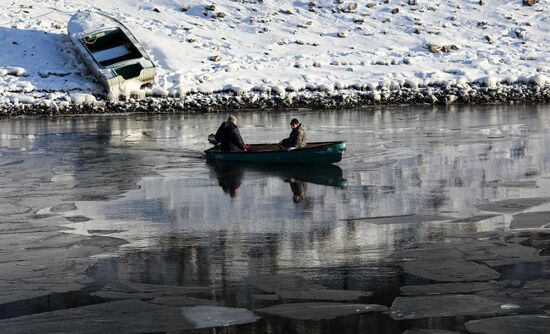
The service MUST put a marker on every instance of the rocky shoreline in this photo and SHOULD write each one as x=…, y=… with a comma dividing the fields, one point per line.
x=336, y=99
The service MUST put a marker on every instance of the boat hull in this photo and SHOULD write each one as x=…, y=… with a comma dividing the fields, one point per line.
x=314, y=153
x=122, y=69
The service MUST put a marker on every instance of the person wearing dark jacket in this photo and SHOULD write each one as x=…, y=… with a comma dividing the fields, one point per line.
x=297, y=137
x=229, y=137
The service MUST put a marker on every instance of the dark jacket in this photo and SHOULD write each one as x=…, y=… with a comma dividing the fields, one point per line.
x=229, y=137
x=297, y=138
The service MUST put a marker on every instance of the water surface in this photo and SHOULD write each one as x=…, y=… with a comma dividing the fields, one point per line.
x=193, y=223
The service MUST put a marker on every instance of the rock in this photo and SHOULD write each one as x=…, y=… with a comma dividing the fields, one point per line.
x=395, y=11
x=530, y=2
x=211, y=7
x=319, y=311
x=449, y=48
x=516, y=324
x=405, y=308
x=450, y=99
x=412, y=2
x=352, y=6
x=184, y=8
x=215, y=58
x=156, y=10
x=434, y=48
x=520, y=33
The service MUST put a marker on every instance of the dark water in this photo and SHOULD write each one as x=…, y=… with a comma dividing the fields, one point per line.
x=192, y=223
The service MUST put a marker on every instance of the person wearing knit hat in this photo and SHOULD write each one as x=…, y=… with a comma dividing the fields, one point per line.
x=297, y=137
x=229, y=136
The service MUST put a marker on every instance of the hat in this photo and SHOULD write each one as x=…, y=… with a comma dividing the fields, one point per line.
x=294, y=121
x=231, y=118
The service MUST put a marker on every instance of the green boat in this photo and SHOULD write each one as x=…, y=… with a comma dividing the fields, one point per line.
x=313, y=153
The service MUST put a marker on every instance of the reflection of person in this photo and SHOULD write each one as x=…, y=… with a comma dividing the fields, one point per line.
x=229, y=137
x=297, y=137
x=299, y=189
x=229, y=178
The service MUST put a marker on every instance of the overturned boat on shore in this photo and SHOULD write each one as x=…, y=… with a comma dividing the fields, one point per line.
x=111, y=52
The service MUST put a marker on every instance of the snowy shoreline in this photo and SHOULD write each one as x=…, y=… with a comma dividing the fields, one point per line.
x=338, y=99
x=260, y=54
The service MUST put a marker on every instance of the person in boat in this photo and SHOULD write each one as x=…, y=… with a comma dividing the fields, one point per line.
x=297, y=137
x=229, y=136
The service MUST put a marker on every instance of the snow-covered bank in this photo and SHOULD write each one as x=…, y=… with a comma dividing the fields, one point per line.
x=85, y=104
x=276, y=53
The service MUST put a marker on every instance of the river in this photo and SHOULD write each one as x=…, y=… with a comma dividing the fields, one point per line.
x=410, y=176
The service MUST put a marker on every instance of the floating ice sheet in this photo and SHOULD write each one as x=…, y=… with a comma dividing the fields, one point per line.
x=450, y=271
x=130, y=316
x=513, y=205
x=404, y=308
x=132, y=290
x=450, y=288
x=531, y=220
x=215, y=316
x=323, y=294
x=517, y=324
x=319, y=310
x=405, y=219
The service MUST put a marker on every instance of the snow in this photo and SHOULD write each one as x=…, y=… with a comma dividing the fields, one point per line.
x=86, y=22
x=277, y=47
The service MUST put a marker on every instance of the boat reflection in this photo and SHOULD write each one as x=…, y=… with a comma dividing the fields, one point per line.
x=230, y=176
